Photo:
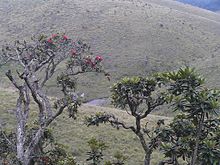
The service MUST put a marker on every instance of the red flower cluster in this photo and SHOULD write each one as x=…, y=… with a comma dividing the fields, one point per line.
x=50, y=40
x=73, y=52
x=89, y=62
x=98, y=58
x=54, y=35
x=65, y=37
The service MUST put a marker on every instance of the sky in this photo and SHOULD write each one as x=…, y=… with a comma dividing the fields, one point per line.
x=213, y=5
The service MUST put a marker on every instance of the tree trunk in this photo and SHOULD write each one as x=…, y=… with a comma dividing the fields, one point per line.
x=27, y=161
x=147, y=149
x=20, y=143
x=199, y=130
x=24, y=153
x=147, y=158
x=24, y=159
x=20, y=131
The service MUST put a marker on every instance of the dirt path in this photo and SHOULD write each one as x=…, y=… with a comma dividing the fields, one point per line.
x=97, y=102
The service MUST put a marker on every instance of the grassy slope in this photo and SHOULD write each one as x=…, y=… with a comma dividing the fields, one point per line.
x=125, y=32
x=74, y=133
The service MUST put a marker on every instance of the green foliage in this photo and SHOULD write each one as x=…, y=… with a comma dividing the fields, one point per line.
x=119, y=159
x=108, y=163
x=185, y=80
x=132, y=91
x=48, y=151
x=102, y=118
x=66, y=81
x=191, y=135
x=129, y=94
x=67, y=161
x=96, y=151
x=210, y=152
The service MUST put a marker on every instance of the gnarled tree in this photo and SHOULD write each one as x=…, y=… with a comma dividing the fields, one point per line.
x=130, y=94
x=35, y=63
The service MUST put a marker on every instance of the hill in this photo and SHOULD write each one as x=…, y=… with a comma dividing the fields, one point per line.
x=136, y=37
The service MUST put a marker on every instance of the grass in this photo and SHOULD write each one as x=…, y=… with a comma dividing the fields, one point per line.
x=75, y=134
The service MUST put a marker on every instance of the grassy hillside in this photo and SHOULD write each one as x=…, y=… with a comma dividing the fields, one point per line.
x=74, y=134
x=136, y=37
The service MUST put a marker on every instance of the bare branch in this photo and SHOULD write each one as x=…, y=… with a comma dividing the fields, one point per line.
x=10, y=77
x=19, y=56
x=26, y=103
x=76, y=73
x=45, y=62
x=59, y=112
x=118, y=123
x=48, y=72
x=35, y=140
x=34, y=88
x=148, y=111
x=151, y=106
x=103, y=118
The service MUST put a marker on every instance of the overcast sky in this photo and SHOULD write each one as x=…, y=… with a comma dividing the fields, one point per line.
x=213, y=5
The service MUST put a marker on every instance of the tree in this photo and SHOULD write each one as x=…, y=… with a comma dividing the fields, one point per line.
x=96, y=151
x=193, y=134
x=119, y=159
x=130, y=94
x=35, y=63
x=47, y=152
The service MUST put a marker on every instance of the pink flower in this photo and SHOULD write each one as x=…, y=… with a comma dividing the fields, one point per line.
x=98, y=58
x=54, y=35
x=93, y=65
x=50, y=40
x=88, y=61
x=65, y=37
x=73, y=52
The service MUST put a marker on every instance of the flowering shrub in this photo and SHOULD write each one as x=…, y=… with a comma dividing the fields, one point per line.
x=36, y=63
